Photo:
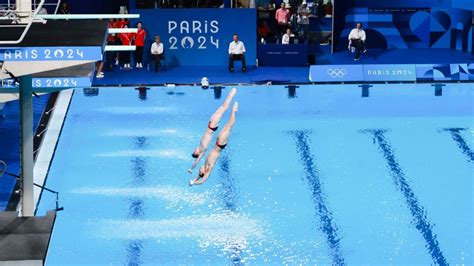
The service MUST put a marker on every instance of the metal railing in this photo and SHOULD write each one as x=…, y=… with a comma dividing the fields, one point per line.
x=10, y=5
x=15, y=19
x=53, y=3
x=19, y=16
x=3, y=170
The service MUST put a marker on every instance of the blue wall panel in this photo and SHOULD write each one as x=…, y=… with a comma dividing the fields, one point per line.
x=407, y=23
x=200, y=36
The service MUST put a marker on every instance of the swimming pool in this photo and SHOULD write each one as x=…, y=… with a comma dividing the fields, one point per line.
x=330, y=174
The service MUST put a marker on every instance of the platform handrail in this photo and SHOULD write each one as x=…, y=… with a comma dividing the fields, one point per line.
x=116, y=48
x=122, y=30
x=28, y=26
x=88, y=16
x=41, y=18
x=57, y=7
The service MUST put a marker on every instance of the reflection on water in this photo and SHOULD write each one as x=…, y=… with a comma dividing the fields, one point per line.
x=229, y=193
x=217, y=92
x=327, y=226
x=420, y=218
x=462, y=144
x=142, y=93
x=138, y=171
x=292, y=91
x=136, y=204
x=134, y=248
x=136, y=208
x=229, y=196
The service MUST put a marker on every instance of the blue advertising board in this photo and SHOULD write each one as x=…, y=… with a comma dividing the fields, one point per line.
x=200, y=36
x=445, y=72
x=390, y=72
x=336, y=73
x=51, y=53
x=54, y=82
x=62, y=82
x=286, y=55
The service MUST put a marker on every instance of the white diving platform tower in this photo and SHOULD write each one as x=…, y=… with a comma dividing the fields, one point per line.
x=41, y=54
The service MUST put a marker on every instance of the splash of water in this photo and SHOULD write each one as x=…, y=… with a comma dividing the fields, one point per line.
x=136, y=110
x=142, y=132
x=225, y=230
x=173, y=195
x=164, y=154
x=149, y=132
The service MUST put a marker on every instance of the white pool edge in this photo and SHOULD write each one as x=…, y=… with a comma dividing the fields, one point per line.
x=50, y=141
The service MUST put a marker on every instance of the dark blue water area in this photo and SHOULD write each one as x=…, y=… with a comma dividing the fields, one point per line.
x=10, y=142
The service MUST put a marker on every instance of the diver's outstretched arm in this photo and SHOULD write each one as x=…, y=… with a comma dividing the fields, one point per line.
x=196, y=161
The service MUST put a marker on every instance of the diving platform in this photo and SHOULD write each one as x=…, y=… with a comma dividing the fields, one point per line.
x=54, y=45
x=25, y=240
x=78, y=76
x=41, y=54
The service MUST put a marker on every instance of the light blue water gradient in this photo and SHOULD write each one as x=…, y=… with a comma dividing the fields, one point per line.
x=318, y=174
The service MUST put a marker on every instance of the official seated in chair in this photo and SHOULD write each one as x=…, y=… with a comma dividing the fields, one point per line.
x=287, y=37
x=237, y=53
x=157, y=52
x=357, y=39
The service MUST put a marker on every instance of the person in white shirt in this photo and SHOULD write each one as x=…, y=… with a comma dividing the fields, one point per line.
x=236, y=52
x=286, y=37
x=357, y=39
x=157, y=50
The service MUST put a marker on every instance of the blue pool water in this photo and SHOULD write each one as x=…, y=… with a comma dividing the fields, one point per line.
x=317, y=175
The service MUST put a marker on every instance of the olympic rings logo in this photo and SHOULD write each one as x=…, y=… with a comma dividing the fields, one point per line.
x=337, y=72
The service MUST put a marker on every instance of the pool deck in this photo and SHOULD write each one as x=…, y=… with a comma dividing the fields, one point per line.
x=189, y=75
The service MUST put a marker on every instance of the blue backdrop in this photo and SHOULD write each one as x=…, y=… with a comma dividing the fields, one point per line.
x=406, y=24
x=200, y=37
